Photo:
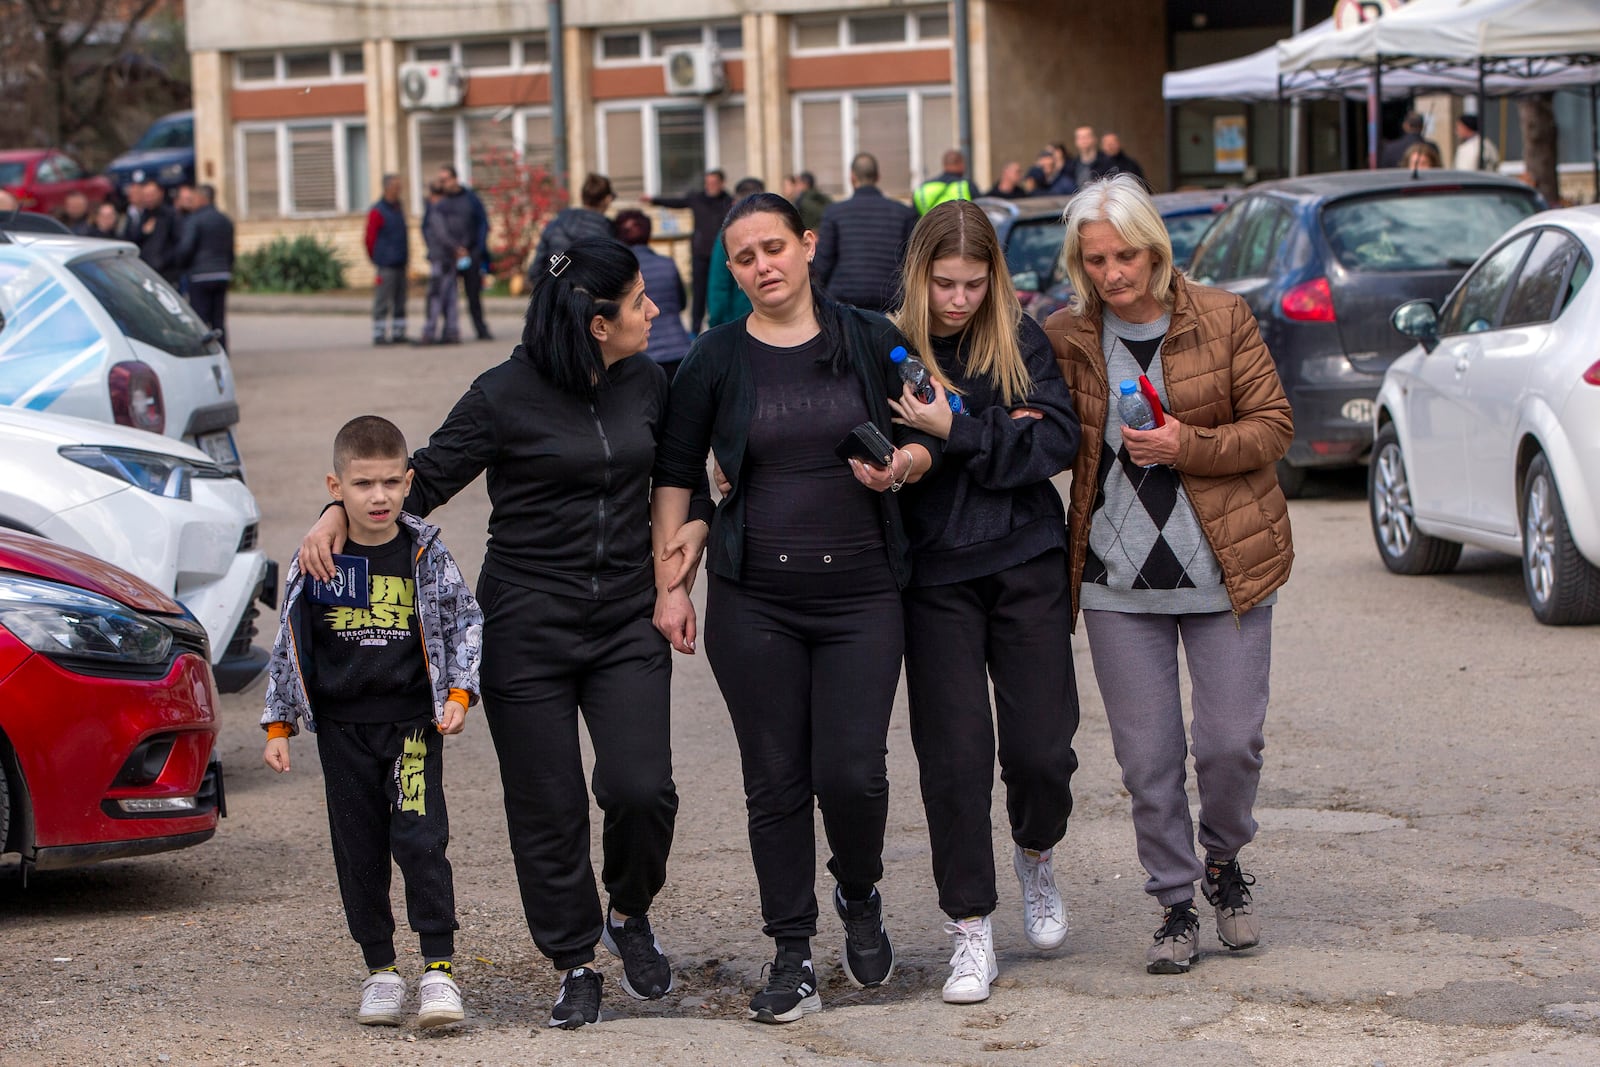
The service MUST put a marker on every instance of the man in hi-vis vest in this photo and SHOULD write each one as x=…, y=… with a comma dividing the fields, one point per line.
x=951, y=185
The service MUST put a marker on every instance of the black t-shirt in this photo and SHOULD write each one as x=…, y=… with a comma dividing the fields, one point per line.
x=803, y=502
x=368, y=663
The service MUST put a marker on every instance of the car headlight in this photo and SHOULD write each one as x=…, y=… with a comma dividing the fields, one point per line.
x=171, y=172
x=59, y=620
x=154, y=472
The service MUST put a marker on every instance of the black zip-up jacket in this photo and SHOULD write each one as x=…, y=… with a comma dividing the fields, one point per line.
x=709, y=211
x=991, y=506
x=205, y=253
x=860, y=248
x=714, y=399
x=569, y=481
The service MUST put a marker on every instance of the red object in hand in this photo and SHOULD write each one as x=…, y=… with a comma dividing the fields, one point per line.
x=1149, y=392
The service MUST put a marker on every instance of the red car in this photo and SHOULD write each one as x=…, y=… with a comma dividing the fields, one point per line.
x=41, y=178
x=107, y=712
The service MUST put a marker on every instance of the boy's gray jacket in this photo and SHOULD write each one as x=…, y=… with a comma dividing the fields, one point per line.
x=452, y=632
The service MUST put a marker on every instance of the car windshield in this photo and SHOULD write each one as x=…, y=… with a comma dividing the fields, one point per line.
x=1034, y=246
x=11, y=173
x=179, y=133
x=144, y=306
x=1443, y=229
x=1186, y=231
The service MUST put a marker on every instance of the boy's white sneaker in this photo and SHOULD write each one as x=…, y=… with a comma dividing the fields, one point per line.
x=973, y=965
x=383, y=999
x=1044, y=916
x=438, y=1000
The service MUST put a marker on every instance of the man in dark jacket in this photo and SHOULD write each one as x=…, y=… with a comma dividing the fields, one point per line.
x=1410, y=133
x=472, y=279
x=863, y=241
x=205, y=254
x=156, y=231
x=1090, y=163
x=809, y=200
x=448, y=232
x=710, y=208
x=1121, y=162
x=389, y=248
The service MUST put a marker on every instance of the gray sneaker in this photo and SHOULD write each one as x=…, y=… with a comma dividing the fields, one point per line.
x=1228, y=889
x=1177, y=941
x=383, y=999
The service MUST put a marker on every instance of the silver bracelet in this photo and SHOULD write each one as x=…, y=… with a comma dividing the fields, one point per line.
x=896, y=485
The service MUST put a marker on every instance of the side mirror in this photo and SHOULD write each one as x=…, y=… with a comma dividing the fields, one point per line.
x=1418, y=320
x=1026, y=281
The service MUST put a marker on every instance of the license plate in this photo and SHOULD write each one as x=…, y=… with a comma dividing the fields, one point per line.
x=219, y=446
x=1358, y=410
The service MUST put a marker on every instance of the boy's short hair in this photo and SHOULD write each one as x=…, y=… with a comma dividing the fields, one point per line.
x=368, y=437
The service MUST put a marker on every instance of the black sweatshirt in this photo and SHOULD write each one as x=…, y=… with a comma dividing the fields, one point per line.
x=990, y=505
x=569, y=481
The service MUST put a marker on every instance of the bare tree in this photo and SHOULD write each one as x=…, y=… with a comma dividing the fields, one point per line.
x=1538, y=117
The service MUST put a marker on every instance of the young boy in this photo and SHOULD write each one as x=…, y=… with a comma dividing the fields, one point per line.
x=380, y=667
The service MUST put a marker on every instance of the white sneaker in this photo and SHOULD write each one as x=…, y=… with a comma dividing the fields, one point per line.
x=1044, y=917
x=383, y=999
x=972, y=967
x=438, y=1000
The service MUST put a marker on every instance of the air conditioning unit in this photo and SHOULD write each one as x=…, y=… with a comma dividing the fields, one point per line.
x=431, y=85
x=694, y=70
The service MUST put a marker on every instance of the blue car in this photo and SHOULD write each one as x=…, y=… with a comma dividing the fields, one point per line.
x=165, y=152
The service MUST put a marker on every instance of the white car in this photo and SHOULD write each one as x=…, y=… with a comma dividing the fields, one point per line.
x=88, y=329
x=152, y=506
x=1488, y=432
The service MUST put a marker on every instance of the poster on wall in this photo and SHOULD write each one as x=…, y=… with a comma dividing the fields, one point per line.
x=1228, y=141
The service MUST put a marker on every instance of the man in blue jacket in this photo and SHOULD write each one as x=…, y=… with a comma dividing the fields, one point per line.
x=389, y=249
x=472, y=278
x=862, y=242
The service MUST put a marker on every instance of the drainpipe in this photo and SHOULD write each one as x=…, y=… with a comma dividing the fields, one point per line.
x=964, y=89
x=558, y=91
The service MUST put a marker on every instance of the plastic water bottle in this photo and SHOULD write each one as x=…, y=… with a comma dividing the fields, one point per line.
x=913, y=373
x=1134, y=408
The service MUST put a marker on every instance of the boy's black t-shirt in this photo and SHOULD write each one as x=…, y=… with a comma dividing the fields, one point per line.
x=368, y=663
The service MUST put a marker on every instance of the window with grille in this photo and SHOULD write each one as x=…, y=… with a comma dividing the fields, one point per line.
x=312, y=183
x=261, y=174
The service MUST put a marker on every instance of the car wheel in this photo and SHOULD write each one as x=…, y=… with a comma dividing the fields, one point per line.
x=1403, y=548
x=1291, y=479
x=1563, y=587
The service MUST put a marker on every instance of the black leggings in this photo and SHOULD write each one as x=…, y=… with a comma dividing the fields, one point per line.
x=546, y=658
x=1014, y=627
x=808, y=665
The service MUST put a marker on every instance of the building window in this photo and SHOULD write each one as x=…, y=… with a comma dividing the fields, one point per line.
x=256, y=68
x=303, y=168
x=730, y=38
x=633, y=47
x=535, y=52
x=340, y=64
x=621, y=46
x=352, y=62
x=481, y=55
x=301, y=66
x=917, y=28
x=432, y=53
x=471, y=141
x=665, y=148
x=907, y=130
x=677, y=37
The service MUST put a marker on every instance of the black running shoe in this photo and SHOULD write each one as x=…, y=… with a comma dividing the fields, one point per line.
x=790, y=993
x=646, y=974
x=1176, y=944
x=868, y=956
x=579, y=1002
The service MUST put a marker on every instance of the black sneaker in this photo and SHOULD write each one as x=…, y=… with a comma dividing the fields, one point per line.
x=1176, y=944
x=868, y=956
x=646, y=974
x=1227, y=888
x=790, y=992
x=579, y=1002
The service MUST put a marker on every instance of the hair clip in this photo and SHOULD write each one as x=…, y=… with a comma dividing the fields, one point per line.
x=558, y=263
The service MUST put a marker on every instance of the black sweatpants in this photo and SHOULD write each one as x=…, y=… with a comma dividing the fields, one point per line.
x=472, y=284
x=546, y=658
x=808, y=665
x=210, y=302
x=1014, y=627
x=385, y=786
x=699, y=281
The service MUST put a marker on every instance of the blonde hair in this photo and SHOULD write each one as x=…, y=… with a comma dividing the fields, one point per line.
x=1121, y=201
x=960, y=228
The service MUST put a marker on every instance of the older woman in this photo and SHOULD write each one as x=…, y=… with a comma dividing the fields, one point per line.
x=1178, y=531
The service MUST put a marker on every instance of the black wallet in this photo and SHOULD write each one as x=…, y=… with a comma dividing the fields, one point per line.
x=866, y=443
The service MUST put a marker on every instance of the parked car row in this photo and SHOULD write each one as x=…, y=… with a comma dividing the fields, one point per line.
x=42, y=178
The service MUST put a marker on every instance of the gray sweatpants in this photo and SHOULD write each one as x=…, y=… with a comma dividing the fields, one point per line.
x=1136, y=666
x=389, y=303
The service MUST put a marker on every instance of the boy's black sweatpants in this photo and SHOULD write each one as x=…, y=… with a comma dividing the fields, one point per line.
x=1014, y=627
x=385, y=786
x=808, y=665
x=546, y=660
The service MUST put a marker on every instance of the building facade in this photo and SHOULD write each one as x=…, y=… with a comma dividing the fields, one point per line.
x=302, y=107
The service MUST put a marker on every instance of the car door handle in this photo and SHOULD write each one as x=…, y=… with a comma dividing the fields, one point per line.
x=1462, y=364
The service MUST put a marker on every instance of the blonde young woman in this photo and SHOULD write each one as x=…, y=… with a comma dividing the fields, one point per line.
x=1177, y=532
x=988, y=599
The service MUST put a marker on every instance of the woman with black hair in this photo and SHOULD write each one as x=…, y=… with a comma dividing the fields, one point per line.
x=566, y=430
x=807, y=559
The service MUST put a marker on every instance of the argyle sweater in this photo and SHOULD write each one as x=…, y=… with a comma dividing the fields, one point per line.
x=1147, y=552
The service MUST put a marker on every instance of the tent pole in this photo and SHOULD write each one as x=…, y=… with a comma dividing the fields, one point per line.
x=1483, y=111
x=1375, y=115
x=1283, y=130
x=1296, y=118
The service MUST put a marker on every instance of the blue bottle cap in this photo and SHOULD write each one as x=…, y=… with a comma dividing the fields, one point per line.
x=1129, y=386
x=898, y=354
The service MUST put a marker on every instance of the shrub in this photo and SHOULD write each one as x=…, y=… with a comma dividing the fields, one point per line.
x=519, y=197
x=290, y=265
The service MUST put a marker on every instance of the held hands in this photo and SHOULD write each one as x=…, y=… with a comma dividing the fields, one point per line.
x=1159, y=445
x=686, y=545
x=674, y=618
x=276, y=755
x=455, y=717
x=321, y=542
x=933, y=418
x=879, y=478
